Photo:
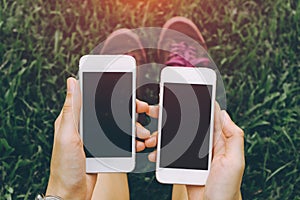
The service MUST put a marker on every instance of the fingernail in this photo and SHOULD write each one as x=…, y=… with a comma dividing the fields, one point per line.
x=152, y=139
x=151, y=157
x=226, y=116
x=70, y=85
x=146, y=133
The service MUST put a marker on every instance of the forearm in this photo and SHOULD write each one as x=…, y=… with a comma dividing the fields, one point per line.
x=107, y=185
x=179, y=192
x=55, y=189
x=240, y=196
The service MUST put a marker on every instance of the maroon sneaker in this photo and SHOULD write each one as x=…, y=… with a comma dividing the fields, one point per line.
x=124, y=41
x=181, y=44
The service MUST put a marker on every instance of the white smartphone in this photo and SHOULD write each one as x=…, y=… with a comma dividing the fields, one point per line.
x=185, y=126
x=107, y=123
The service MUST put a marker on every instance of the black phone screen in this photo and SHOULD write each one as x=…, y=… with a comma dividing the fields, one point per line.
x=107, y=114
x=185, y=126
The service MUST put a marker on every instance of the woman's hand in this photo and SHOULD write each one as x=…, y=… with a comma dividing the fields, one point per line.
x=228, y=162
x=149, y=140
x=68, y=178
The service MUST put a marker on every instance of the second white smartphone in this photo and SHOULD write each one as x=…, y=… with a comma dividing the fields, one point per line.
x=107, y=123
x=185, y=127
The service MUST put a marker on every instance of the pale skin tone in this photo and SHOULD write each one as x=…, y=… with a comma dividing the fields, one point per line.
x=228, y=162
x=67, y=171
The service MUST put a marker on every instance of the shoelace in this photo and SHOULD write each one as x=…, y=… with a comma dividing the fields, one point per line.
x=183, y=54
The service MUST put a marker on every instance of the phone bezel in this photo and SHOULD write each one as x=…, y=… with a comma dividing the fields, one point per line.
x=110, y=63
x=186, y=75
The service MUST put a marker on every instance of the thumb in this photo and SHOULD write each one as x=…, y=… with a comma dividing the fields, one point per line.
x=234, y=139
x=71, y=109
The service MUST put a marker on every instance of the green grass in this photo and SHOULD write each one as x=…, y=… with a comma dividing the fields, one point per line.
x=256, y=45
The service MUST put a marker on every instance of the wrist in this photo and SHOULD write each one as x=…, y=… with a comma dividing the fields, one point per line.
x=237, y=196
x=52, y=190
x=63, y=191
x=47, y=197
x=240, y=196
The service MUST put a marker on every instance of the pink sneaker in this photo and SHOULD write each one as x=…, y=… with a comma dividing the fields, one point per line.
x=124, y=41
x=181, y=44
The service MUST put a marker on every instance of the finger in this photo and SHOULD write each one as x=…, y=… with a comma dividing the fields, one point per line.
x=153, y=111
x=141, y=132
x=77, y=102
x=140, y=146
x=152, y=141
x=141, y=106
x=71, y=109
x=57, y=123
x=152, y=156
x=234, y=138
x=218, y=140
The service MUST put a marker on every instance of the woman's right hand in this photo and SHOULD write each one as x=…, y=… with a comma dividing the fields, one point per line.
x=228, y=161
x=148, y=140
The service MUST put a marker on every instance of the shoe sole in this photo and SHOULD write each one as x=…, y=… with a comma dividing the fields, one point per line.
x=184, y=26
x=111, y=47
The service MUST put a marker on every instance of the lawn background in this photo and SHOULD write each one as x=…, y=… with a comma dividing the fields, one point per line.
x=256, y=45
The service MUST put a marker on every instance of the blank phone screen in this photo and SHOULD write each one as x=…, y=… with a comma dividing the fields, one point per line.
x=107, y=114
x=185, y=126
